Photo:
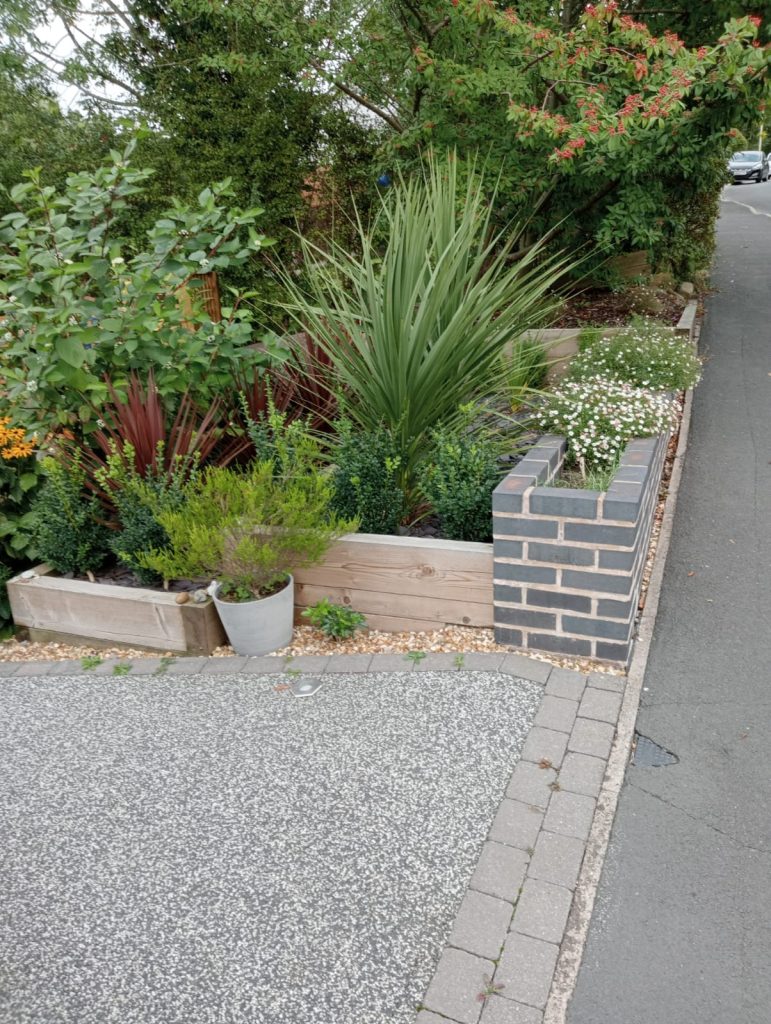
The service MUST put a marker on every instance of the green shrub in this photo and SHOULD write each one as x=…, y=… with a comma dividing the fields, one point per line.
x=459, y=479
x=524, y=369
x=598, y=417
x=365, y=480
x=251, y=528
x=644, y=354
x=67, y=531
x=334, y=620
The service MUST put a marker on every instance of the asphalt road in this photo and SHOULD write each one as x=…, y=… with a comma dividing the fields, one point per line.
x=682, y=925
x=213, y=850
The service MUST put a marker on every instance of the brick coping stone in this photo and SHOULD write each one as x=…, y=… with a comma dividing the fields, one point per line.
x=499, y=961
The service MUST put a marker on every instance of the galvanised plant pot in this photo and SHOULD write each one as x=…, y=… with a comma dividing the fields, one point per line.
x=258, y=627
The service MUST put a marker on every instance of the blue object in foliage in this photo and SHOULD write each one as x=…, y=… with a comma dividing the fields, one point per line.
x=384, y=180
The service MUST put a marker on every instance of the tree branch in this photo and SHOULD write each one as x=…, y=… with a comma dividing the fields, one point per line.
x=359, y=97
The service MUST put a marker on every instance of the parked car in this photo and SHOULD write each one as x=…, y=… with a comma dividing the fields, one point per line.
x=749, y=165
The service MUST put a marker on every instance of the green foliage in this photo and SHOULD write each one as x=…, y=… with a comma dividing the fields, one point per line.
x=67, y=533
x=82, y=305
x=458, y=480
x=595, y=478
x=418, y=329
x=646, y=354
x=21, y=476
x=365, y=479
x=90, y=661
x=5, y=605
x=415, y=657
x=334, y=620
x=597, y=417
x=251, y=528
x=524, y=370
x=123, y=668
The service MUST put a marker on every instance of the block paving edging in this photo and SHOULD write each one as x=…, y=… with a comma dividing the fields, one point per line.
x=499, y=961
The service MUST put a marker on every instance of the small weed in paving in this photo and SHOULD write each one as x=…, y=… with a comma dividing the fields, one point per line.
x=293, y=673
x=166, y=661
x=459, y=660
x=415, y=656
x=90, y=661
x=490, y=989
x=122, y=668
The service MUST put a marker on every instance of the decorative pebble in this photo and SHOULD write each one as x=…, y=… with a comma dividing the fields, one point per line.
x=182, y=598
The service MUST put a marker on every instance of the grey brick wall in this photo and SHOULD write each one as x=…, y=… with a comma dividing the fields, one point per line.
x=569, y=563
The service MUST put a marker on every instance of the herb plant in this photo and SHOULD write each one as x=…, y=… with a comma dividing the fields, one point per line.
x=334, y=620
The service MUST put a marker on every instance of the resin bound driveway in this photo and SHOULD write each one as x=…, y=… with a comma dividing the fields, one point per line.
x=185, y=850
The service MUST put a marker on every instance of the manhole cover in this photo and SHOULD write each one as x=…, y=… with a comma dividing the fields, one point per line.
x=305, y=687
x=648, y=754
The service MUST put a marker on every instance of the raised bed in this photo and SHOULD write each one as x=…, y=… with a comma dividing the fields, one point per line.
x=50, y=608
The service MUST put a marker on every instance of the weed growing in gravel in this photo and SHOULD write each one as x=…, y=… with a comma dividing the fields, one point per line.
x=90, y=661
x=122, y=668
x=166, y=661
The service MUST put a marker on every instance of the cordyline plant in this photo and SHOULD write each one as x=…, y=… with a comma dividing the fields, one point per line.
x=78, y=304
x=416, y=329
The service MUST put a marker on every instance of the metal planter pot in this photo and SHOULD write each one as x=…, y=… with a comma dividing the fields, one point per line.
x=258, y=627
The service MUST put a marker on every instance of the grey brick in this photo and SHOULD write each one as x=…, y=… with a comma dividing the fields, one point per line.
x=31, y=668
x=107, y=666
x=526, y=668
x=390, y=663
x=570, y=814
x=343, y=663
x=564, y=501
x=542, y=910
x=525, y=617
x=557, y=859
x=623, y=560
x=500, y=871
x=476, y=661
x=631, y=474
x=599, y=533
x=507, y=496
x=581, y=773
x=516, y=824
x=590, y=737
x=308, y=663
x=560, y=644
x=455, y=987
x=506, y=636
x=642, y=444
x=604, y=583
x=632, y=457
x=561, y=554
x=426, y=1017
x=481, y=924
x=607, y=681
x=183, y=666
x=544, y=745
x=532, y=468
x=441, y=662
x=508, y=548
x=600, y=704
x=524, y=527
x=564, y=682
x=70, y=667
x=521, y=573
x=145, y=666
x=504, y=1011
x=556, y=713
x=526, y=969
x=624, y=501
x=556, y=599
x=614, y=652
x=531, y=784
x=608, y=608
x=265, y=665
x=607, y=629
x=225, y=666
x=503, y=592
x=9, y=668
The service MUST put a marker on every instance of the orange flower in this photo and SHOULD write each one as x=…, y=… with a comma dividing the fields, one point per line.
x=12, y=442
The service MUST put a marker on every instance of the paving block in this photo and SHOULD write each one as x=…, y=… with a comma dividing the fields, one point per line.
x=426, y=1017
x=526, y=668
x=225, y=666
x=570, y=814
x=590, y=737
x=455, y=987
x=602, y=705
x=531, y=784
x=503, y=1011
x=29, y=668
x=557, y=859
x=9, y=668
x=478, y=661
x=188, y=666
x=557, y=713
x=544, y=745
x=581, y=773
x=344, y=663
x=267, y=665
x=71, y=667
x=607, y=681
x=542, y=910
x=390, y=663
x=481, y=924
x=442, y=662
x=312, y=663
x=516, y=824
x=145, y=666
x=500, y=871
x=526, y=969
x=564, y=682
